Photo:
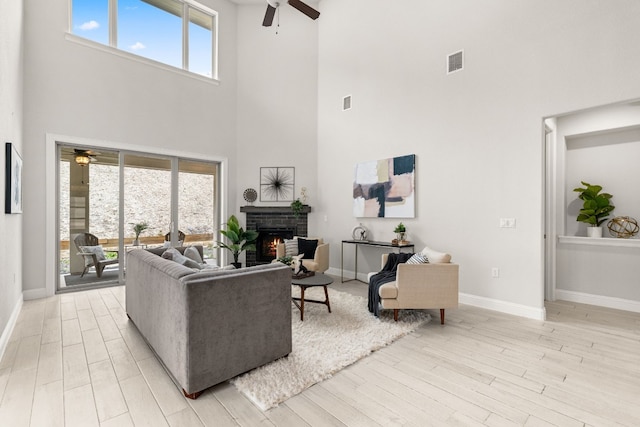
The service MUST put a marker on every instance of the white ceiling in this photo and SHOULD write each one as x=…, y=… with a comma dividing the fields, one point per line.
x=248, y=1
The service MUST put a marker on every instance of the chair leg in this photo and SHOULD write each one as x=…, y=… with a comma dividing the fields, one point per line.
x=442, y=316
x=99, y=268
x=395, y=314
x=83, y=272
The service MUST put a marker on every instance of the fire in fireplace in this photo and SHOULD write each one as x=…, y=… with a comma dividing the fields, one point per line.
x=268, y=240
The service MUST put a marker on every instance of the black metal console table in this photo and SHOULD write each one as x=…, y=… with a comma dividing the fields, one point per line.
x=372, y=243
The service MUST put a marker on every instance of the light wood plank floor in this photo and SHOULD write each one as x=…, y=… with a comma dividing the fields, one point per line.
x=76, y=360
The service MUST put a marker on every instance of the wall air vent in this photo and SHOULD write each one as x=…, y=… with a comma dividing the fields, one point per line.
x=455, y=62
x=346, y=103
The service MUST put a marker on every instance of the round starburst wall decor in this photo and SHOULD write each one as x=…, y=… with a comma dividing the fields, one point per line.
x=277, y=184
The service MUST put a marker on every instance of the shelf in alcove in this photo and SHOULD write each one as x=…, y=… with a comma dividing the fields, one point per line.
x=603, y=241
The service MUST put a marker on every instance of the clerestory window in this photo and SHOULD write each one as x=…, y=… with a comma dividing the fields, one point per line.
x=179, y=33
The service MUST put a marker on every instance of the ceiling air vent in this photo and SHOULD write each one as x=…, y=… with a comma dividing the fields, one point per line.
x=455, y=62
x=346, y=103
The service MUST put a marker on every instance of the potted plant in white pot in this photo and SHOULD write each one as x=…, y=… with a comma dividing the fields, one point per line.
x=596, y=208
x=238, y=238
x=138, y=228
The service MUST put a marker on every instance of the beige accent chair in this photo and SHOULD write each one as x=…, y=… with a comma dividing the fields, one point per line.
x=421, y=286
x=320, y=261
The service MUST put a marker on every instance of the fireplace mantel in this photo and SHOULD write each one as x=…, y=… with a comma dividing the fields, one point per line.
x=272, y=209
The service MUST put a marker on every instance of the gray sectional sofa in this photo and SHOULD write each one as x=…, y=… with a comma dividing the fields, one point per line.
x=209, y=326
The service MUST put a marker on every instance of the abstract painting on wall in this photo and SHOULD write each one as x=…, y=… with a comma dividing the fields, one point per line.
x=385, y=188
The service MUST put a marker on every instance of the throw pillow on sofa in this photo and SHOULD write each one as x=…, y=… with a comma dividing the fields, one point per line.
x=192, y=253
x=175, y=255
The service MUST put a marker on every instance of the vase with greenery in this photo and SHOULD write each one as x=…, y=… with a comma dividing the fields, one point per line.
x=238, y=239
x=595, y=209
x=400, y=231
x=138, y=228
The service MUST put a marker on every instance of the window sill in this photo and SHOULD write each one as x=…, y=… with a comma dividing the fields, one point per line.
x=114, y=51
x=604, y=241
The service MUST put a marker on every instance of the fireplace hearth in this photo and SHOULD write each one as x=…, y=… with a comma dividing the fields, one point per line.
x=274, y=224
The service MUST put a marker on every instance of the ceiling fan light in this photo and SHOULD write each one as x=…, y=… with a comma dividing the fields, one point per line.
x=82, y=160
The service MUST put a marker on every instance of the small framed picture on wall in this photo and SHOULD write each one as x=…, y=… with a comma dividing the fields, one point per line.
x=13, y=180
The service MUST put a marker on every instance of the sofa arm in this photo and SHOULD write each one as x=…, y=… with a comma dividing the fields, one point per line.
x=434, y=284
x=280, y=250
x=321, y=257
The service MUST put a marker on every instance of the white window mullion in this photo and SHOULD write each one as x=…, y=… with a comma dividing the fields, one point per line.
x=185, y=37
x=113, y=23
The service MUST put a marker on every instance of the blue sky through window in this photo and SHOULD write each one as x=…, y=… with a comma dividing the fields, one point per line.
x=148, y=31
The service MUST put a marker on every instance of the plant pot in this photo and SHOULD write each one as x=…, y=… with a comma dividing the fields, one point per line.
x=136, y=242
x=595, y=232
x=237, y=264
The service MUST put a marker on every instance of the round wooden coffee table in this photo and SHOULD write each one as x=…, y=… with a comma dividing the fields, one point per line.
x=310, y=282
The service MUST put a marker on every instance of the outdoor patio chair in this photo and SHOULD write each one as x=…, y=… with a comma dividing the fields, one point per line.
x=181, y=236
x=90, y=249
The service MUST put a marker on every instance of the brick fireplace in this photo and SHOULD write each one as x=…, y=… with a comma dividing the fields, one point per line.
x=274, y=224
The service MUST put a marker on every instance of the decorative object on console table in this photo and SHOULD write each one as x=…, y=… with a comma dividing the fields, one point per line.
x=277, y=184
x=239, y=239
x=385, y=188
x=596, y=208
x=623, y=227
x=250, y=195
x=13, y=180
x=359, y=232
x=400, y=231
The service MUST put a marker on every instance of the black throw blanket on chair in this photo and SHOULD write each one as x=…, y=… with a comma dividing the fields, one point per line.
x=386, y=275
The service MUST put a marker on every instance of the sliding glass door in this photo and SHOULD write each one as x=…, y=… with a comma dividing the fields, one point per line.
x=111, y=202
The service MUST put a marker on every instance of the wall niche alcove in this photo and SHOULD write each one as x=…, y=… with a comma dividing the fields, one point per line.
x=599, y=146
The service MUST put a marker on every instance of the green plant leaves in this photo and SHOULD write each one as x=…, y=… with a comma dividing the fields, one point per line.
x=596, y=207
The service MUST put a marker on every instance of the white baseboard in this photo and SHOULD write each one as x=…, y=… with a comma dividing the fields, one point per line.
x=34, y=294
x=600, y=300
x=8, y=330
x=504, y=306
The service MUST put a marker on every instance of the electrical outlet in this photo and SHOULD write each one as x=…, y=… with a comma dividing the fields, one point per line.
x=495, y=272
x=507, y=223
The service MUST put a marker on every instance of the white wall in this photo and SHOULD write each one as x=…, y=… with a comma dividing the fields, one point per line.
x=79, y=91
x=277, y=100
x=11, y=69
x=477, y=133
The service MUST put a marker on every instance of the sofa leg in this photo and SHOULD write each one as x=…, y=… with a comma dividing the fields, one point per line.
x=395, y=314
x=193, y=396
x=442, y=316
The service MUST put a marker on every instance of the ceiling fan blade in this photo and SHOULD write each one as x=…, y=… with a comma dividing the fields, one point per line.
x=268, y=16
x=305, y=8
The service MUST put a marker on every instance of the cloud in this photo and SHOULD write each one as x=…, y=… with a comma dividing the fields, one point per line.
x=137, y=46
x=89, y=25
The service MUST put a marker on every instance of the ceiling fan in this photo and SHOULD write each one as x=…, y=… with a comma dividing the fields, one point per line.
x=274, y=4
x=84, y=157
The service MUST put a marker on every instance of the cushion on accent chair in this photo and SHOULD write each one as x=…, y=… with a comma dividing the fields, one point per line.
x=435, y=257
x=418, y=258
x=307, y=247
x=93, y=250
x=291, y=247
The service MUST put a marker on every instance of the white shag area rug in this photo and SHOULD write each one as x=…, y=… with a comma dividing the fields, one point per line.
x=324, y=344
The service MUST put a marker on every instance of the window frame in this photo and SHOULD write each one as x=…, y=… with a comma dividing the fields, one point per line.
x=113, y=40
